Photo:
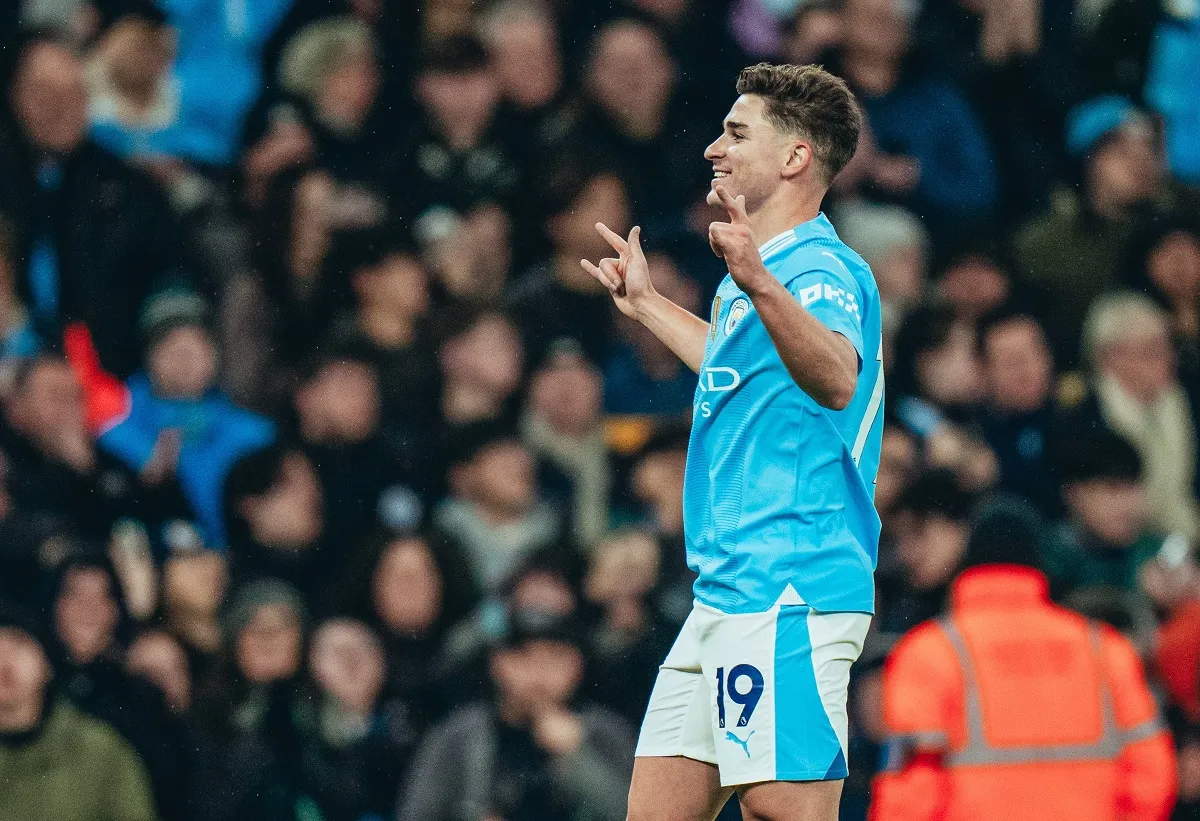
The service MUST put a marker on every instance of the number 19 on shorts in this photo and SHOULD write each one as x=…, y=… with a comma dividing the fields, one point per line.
x=744, y=687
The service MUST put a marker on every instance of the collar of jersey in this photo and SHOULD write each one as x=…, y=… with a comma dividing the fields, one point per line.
x=819, y=226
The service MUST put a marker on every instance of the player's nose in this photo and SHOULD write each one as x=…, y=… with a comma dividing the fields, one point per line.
x=715, y=150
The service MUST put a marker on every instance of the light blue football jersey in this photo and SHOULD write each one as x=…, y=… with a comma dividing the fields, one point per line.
x=778, y=489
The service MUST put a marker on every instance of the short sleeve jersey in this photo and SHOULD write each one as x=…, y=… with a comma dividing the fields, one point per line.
x=779, y=491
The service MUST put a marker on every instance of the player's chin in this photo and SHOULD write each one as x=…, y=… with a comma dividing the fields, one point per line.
x=712, y=198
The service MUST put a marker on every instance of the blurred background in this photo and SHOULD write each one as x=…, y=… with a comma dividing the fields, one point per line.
x=326, y=472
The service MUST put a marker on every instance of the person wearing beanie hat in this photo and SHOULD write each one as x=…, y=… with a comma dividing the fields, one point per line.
x=1074, y=253
x=178, y=421
x=56, y=762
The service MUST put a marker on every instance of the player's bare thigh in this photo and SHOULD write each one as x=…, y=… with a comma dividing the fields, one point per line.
x=791, y=801
x=674, y=788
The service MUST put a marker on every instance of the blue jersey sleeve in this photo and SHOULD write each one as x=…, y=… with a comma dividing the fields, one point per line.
x=835, y=298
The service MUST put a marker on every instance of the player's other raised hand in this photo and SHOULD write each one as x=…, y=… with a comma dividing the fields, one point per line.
x=734, y=242
x=626, y=276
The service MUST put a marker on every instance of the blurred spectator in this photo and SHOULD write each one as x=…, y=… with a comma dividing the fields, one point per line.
x=338, y=410
x=1164, y=264
x=249, y=767
x=937, y=382
x=896, y=246
x=974, y=720
x=158, y=657
x=899, y=465
x=562, y=426
x=304, y=210
x=275, y=518
x=1104, y=540
x=523, y=44
x=57, y=469
x=1018, y=410
x=558, y=298
x=332, y=68
x=218, y=66
x=1073, y=254
x=353, y=750
x=630, y=639
x=928, y=526
x=91, y=623
x=642, y=376
x=548, y=756
x=1136, y=392
x=58, y=763
x=494, y=514
x=391, y=296
x=975, y=279
x=415, y=595
x=135, y=108
x=937, y=157
x=194, y=586
x=178, y=420
x=482, y=361
x=637, y=120
x=90, y=263
x=457, y=150
x=470, y=254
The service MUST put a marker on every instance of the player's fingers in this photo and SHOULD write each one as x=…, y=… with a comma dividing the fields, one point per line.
x=714, y=239
x=613, y=238
x=612, y=269
x=598, y=274
x=742, y=217
x=735, y=207
x=635, y=241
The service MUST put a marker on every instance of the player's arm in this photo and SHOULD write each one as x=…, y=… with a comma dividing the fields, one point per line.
x=627, y=278
x=822, y=361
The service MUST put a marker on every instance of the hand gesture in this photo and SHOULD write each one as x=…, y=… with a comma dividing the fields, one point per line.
x=627, y=277
x=734, y=242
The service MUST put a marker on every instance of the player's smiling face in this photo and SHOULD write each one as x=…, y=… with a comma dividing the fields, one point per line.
x=749, y=155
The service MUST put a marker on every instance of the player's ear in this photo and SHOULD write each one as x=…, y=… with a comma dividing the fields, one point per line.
x=799, y=158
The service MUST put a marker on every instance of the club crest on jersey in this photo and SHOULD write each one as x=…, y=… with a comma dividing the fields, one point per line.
x=739, y=308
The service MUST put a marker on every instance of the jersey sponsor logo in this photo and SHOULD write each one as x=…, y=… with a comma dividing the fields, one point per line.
x=719, y=379
x=715, y=379
x=832, y=293
x=739, y=308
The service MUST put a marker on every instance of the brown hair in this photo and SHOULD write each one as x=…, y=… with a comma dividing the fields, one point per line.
x=811, y=102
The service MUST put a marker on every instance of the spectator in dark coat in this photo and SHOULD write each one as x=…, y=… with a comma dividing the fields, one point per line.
x=92, y=625
x=95, y=236
x=355, y=744
x=534, y=752
x=1017, y=413
x=249, y=753
x=56, y=469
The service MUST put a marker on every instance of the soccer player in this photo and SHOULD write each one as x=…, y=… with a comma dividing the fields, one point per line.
x=779, y=517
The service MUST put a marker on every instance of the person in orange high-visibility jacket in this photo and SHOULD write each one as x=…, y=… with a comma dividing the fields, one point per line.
x=1014, y=708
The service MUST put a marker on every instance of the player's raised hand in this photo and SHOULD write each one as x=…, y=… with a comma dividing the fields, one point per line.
x=626, y=276
x=734, y=242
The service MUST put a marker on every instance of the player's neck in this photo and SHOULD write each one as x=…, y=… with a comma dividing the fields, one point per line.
x=783, y=212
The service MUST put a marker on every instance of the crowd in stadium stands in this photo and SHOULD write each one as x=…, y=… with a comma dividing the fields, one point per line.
x=334, y=489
